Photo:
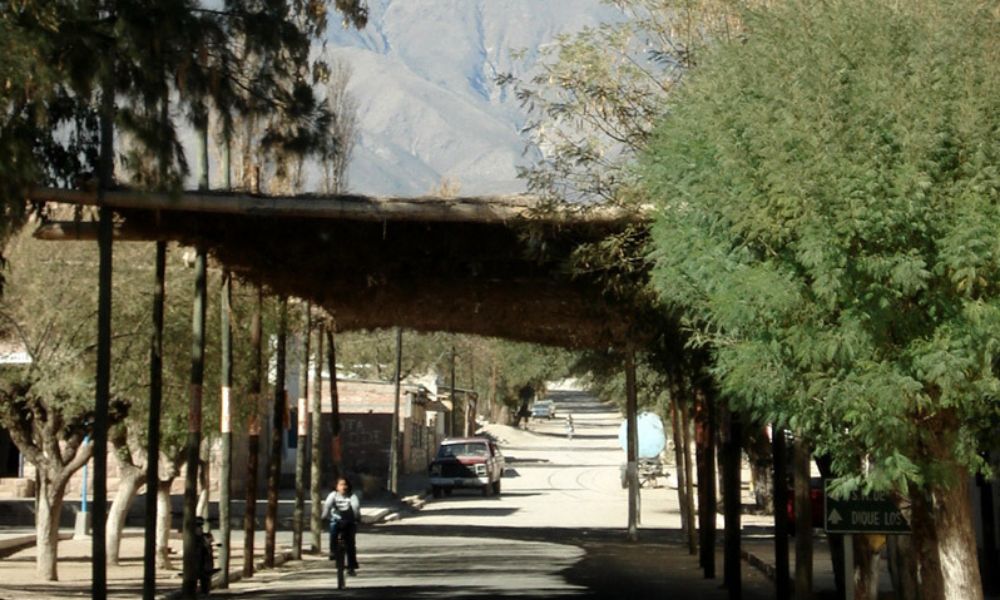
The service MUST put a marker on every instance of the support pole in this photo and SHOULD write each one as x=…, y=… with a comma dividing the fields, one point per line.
x=316, y=462
x=302, y=431
x=732, y=504
x=253, y=436
x=334, y=405
x=155, y=403
x=453, y=396
x=226, y=429
x=189, y=589
x=781, y=569
x=687, y=523
x=705, y=441
x=99, y=581
x=394, y=432
x=632, y=473
x=803, y=522
x=685, y=418
x=277, y=429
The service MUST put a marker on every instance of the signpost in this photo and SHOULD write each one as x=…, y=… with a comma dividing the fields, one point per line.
x=862, y=513
x=868, y=514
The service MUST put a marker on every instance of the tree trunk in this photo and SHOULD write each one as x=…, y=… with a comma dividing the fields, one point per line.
x=50, y=501
x=164, y=518
x=334, y=421
x=803, y=521
x=866, y=565
x=947, y=561
x=758, y=449
x=131, y=478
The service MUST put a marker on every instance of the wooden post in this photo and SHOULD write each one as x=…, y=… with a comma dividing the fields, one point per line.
x=277, y=430
x=781, y=569
x=632, y=472
x=732, y=504
x=191, y=551
x=226, y=428
x=687, y=523
x=685, y=419
x=153, y=440
x=253, y=436
x=394, y=432
x=302, y=426
x=453, y=397
x=331, y=355
x=705, y=457
x=316, y=462
x=803, y=521
x=99, y=510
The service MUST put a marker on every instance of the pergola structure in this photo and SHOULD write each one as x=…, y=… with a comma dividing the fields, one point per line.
x=494, y=266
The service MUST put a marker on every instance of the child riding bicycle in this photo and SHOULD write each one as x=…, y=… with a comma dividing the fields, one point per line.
x=344, y=510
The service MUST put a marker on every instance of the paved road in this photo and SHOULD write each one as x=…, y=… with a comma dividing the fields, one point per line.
x=556, y=531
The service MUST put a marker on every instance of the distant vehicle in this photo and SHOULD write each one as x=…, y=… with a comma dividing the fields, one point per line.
x=466, y=463
x=543, y=409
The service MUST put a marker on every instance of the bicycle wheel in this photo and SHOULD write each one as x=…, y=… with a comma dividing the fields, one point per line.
x=338, y=554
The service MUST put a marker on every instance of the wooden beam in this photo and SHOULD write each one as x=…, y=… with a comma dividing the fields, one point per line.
x=484, y=209
x=70, y=231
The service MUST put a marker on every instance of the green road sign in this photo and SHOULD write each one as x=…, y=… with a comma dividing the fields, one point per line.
x=860, y=513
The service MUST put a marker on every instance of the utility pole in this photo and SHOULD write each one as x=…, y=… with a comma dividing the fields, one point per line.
x=632, y=438
x=394, y=433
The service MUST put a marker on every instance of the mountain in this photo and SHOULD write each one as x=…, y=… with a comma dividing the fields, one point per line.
x=423, y=76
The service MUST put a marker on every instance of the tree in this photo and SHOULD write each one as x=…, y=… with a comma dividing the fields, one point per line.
x=831, y=178
x=46, y=404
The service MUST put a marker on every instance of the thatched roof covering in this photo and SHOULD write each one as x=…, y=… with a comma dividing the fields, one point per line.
x=468, y=265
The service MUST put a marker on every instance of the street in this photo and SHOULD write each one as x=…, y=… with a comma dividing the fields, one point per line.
x=556, y=531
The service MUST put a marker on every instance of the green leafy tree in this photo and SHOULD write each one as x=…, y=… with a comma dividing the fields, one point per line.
x=827, y=191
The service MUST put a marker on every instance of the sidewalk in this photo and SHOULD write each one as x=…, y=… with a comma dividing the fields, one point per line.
x=19, y=579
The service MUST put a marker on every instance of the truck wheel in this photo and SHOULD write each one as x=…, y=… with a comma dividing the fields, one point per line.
x=436, y=491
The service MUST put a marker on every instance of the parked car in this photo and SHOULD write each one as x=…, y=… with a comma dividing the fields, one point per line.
x=543, y=409
x=466, y=463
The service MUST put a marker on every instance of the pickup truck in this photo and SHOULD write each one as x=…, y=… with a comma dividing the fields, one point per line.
x=466, y=463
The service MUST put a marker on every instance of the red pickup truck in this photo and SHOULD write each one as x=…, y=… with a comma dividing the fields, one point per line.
x=466, y=463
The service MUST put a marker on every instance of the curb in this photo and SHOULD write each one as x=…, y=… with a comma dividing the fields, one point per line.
x=14, y=545
x=766, y=568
